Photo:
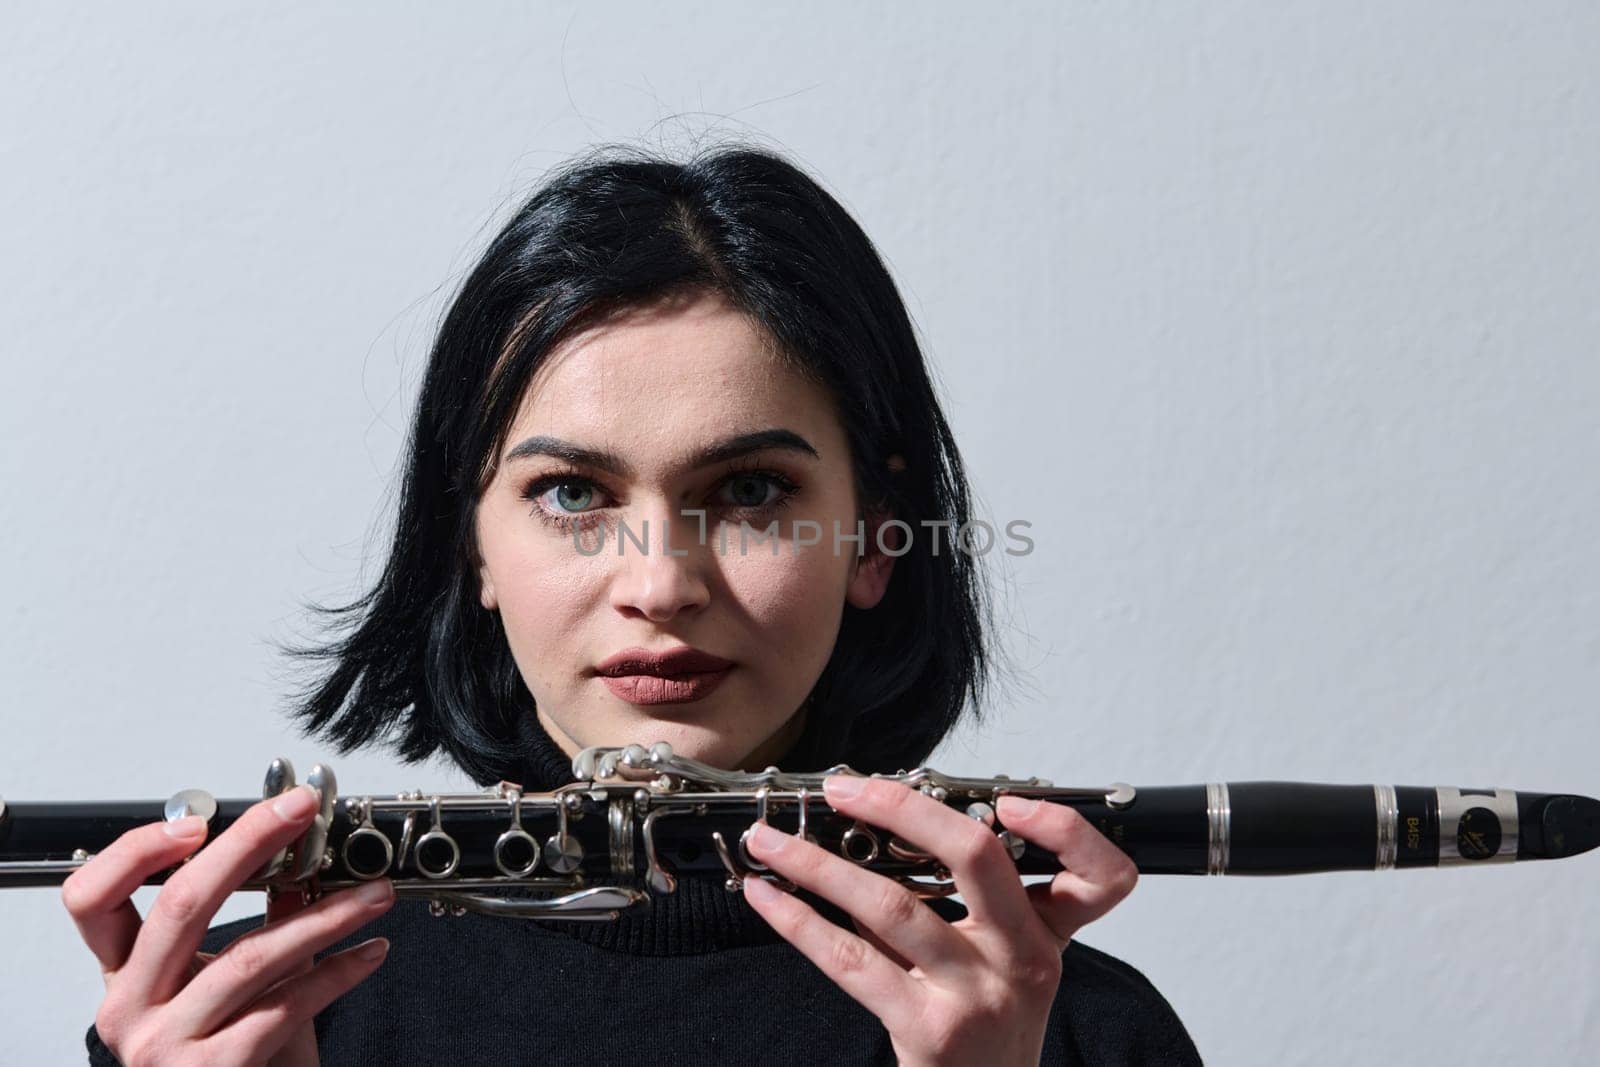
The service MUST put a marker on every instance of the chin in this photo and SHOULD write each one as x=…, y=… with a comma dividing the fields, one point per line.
x=698, y=740
x=723, y=732
x=694, y=740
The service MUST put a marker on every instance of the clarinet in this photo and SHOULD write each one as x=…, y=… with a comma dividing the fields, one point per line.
x=638, y=819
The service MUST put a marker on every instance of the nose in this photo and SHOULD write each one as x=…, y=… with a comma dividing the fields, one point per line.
x=653, y=582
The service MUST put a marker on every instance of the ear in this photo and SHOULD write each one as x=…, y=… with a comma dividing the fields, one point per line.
x=486, y=595
x=869, y=579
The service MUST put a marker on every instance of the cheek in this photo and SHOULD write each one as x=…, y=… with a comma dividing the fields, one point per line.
x=543, y=609
x=535, y=588
x=542, y=586
x=795, y=600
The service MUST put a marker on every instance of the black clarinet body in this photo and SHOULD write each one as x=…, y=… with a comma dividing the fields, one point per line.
x=638, y=819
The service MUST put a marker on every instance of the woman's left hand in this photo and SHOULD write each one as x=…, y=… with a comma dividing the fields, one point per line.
x=977, y=991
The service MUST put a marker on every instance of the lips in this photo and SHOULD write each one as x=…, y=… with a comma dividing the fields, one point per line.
x=669, y=664
x=678, y=676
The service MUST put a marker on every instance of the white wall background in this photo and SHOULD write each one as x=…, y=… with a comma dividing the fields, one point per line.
x=1279, y=321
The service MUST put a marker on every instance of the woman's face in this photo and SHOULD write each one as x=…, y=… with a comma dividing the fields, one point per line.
x=637, y=424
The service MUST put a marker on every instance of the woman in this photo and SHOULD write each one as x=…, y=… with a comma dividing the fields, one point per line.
x=663, y=353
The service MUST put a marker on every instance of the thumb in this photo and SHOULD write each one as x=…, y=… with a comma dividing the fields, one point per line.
x=301, y=1049
x=282, y=903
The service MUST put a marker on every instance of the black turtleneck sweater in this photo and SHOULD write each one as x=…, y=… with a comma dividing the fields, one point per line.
x=698, y=978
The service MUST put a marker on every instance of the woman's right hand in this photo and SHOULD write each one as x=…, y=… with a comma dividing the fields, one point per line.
x=252, y=1003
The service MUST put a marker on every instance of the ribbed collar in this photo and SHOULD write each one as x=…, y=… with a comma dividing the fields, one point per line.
x=699, y=916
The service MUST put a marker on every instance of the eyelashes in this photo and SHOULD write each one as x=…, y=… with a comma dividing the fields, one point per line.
x=537, y=493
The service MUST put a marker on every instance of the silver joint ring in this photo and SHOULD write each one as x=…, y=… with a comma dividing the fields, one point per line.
x=1388, y=810
x=1219, y=827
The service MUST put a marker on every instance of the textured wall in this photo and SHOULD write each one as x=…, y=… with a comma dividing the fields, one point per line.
x=1277, y=321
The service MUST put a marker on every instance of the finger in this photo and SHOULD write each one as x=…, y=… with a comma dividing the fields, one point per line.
x=1097, y=875
x=263, y=957
x=1064, y=831
x=183, y=909
x=909, y=927
x=1066, y=904
x=272, y=1020
x=878, y=943
x=867, y=975
x=199, y=962
x=97, y=894
x=984, y=874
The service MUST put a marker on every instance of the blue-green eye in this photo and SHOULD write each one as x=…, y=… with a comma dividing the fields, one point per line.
x=573, y=496
x=750, y=490
x=570, y=501
x=565, y=501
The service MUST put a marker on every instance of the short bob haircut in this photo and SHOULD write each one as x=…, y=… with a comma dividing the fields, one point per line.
x=421, y=666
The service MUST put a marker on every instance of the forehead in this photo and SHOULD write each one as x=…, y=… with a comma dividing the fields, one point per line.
x=653, y=379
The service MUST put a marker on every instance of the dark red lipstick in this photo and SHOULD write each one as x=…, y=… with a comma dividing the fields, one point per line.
x=676, y=676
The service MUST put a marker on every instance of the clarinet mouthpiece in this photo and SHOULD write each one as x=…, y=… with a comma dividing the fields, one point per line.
x=1568, y=825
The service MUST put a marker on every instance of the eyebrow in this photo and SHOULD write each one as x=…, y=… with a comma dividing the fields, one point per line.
x=720, y=452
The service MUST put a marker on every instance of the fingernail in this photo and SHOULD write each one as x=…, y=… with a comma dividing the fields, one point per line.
x=842, y=786
x=297, y=803
x=375, y=949
x=760, y=890
x=1021, y=807
x=188, y=826
x=376, y=893
x=766, y=839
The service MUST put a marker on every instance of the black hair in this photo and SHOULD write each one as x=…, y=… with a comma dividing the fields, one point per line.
x=422, y=666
